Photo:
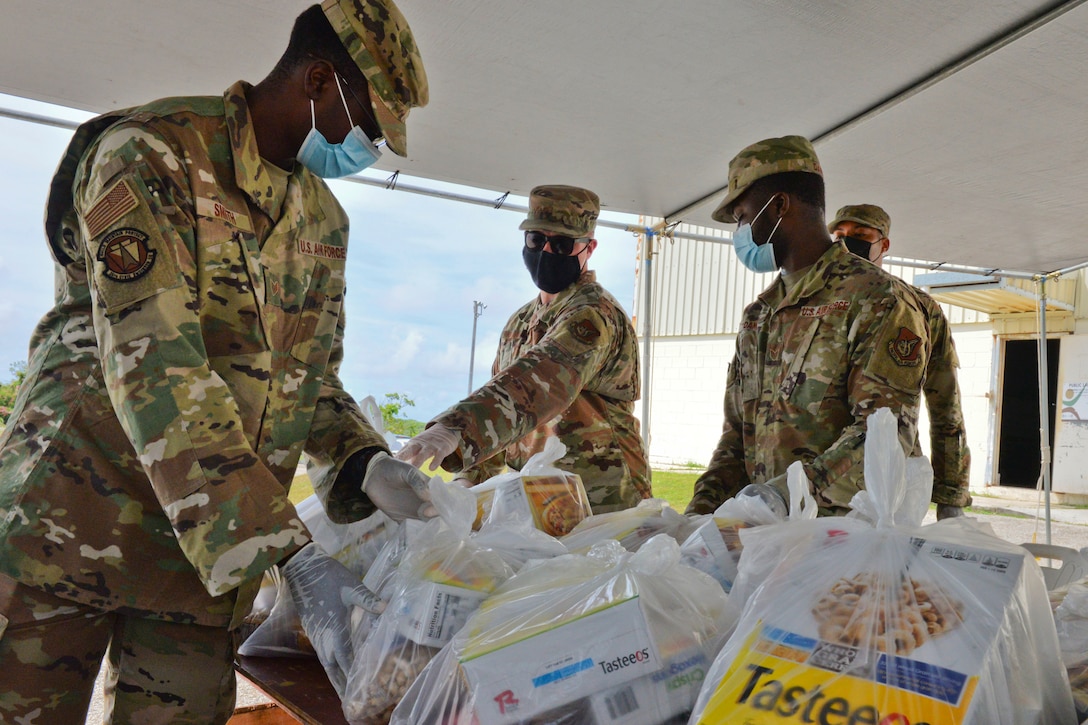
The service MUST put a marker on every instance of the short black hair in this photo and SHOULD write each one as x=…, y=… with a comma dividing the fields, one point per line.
x=313, y=37
x=804, y=186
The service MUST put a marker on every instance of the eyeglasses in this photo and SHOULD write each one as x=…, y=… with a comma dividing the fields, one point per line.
x=561, y=244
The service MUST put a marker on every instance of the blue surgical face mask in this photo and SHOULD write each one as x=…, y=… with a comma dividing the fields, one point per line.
x=333, y=160
x=756, y=257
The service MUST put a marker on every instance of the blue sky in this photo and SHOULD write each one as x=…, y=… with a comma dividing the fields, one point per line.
x=415, y=266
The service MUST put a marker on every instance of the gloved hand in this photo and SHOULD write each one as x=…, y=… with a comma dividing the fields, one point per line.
x=324, y=592
x=399, y=489
x=948, y=511
x=435, y=443
x=769, y=495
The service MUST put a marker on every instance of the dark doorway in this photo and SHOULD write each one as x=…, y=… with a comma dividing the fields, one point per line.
x=1019, y=456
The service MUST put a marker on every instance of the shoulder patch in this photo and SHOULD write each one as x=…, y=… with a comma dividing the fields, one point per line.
x=125, y=255
x=585, y=332
x=111, y=206
x=906, y=348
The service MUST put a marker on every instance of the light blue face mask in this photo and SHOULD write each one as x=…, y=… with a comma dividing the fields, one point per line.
x=333, y=160
x=756, y=257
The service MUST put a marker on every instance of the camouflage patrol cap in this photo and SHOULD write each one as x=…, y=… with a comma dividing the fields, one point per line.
x=765, y=158
x=377, y=36
x=867, y=215
x=559, y=209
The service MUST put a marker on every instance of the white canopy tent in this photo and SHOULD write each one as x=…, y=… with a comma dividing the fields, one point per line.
x=965, y=119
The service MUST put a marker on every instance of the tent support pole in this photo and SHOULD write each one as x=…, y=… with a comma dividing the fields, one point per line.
x=1044, y=401
x=648, y=235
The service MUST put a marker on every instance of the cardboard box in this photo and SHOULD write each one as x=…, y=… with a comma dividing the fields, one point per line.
x=596, y=652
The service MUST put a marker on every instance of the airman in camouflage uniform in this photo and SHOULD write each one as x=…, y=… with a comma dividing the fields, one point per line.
x=190, y=358
x=831, y=340
x=567, y=366
x=865, y=230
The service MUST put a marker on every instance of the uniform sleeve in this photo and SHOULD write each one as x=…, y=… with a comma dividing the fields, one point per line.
x=951, y=457
x=887, y=351
x=339, y=430
x=535, y=388
x=231, y=516
x=726, y=473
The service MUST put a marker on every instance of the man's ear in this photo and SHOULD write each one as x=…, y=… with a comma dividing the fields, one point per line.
x=885, y=244
x=782, y=204
x=317, y=77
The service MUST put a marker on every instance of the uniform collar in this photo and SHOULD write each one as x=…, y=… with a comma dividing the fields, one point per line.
x=249, y=168
x=812, y=283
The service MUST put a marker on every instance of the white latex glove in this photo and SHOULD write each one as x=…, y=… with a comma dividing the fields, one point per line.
x=399, y=489
x=435, y=443
x=324, y=592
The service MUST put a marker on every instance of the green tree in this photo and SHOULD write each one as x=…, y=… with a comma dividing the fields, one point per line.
x=395, y=404
x=10, y=389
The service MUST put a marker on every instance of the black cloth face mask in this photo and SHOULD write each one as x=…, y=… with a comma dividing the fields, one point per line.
x=551, y=273
x=860, y=247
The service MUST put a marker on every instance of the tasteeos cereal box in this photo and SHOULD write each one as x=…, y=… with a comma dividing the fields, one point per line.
x=872, y=628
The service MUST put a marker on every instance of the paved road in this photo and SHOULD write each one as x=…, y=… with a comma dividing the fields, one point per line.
x=1009, y=520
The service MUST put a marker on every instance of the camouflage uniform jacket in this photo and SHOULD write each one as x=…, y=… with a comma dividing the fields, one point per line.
x=189, y=359
x=811, y=364
x=567, y=369
x=950, y=455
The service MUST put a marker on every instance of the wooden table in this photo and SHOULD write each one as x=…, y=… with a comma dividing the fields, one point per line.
x=297, y=685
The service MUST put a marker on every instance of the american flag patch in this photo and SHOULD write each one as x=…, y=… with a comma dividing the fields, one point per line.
x=110, y=207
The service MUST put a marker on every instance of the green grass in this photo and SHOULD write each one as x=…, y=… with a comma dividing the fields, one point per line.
x=675, y=487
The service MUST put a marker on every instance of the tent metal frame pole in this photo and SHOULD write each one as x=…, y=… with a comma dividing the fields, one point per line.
x=1044, y=402
x=648, y=236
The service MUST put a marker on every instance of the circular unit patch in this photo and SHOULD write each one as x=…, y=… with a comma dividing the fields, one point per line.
x=125, y=255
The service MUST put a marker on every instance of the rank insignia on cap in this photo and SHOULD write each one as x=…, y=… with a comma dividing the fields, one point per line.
x=125, y=255
x=585, y=332
x=906, y=348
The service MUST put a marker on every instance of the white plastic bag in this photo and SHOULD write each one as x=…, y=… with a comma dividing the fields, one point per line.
x=889, y=622
x=444, y=572
x=607, y=637
x=554, y=500
x=631, y=527
x=715, y=546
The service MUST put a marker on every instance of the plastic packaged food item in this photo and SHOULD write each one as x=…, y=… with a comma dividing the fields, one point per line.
x=444, y=572
x=876, y=619
x=611, y=637
x=274, y=630
x=554, y=500
x=631, y=527
x=715, y=546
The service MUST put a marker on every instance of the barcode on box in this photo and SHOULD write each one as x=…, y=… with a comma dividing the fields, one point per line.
x=622, y=703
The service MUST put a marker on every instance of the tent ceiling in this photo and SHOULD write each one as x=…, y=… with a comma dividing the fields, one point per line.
x=645, y=101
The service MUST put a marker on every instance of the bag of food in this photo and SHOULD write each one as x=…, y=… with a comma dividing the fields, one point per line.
x=272, y=628
x=715, y=546
x=554, y=500
x=890, y=623
x=607, y=638
x=444, y=572
x=631, y=527
x=1070, y=605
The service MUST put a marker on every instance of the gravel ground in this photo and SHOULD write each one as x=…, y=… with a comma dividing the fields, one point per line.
x=1006, y=522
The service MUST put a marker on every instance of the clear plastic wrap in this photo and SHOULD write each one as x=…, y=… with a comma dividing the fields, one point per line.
x=1071, y=619
x=444, y=572
x=607, y=638
x=890, y=622
x=631, y=527
x=273, y=628
x=715, y=546
x=554, y=500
